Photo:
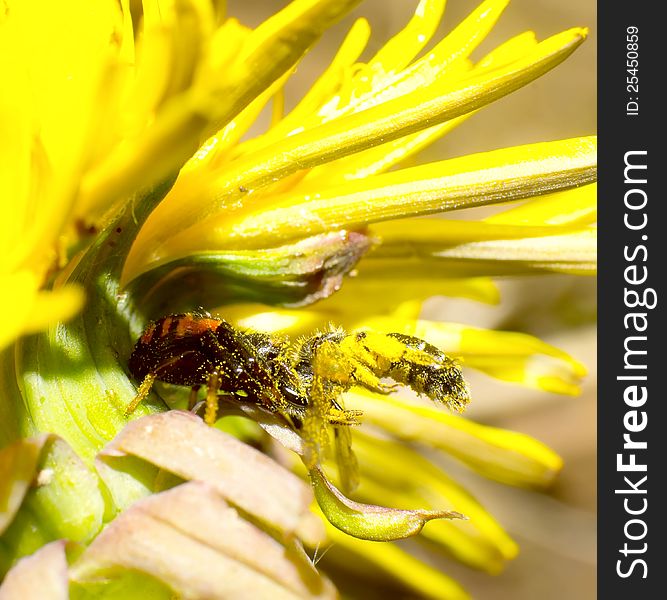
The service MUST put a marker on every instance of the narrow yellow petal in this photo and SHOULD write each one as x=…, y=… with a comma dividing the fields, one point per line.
x=55, y=306
x=48, y=96
x=510, y=50
x=397, y=53
x=545, y=234
x=467, y=35
x=33, y=310
x=380, y=158
x=398, y=564
x=258, y=318
x=374, y=160
x=351, y=134
x=382, y=296
x=574, y=253
x=216, y=149
x=343, y=308
x=485, y=178
x=268, y=52
x=506, y=456
x=16, y=150
x=381, y=87
x=575, y=206
x=374, y=84
x=424, y=237
x=325, y=86
x=171, y=48
x=387, y=465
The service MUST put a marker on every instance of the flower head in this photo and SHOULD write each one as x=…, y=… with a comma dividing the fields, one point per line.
x=130, y=177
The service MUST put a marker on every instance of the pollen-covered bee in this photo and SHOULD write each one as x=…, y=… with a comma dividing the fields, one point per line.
x=301, y=380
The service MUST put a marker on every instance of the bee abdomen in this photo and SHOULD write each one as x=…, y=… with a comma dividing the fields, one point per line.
x=442, y=380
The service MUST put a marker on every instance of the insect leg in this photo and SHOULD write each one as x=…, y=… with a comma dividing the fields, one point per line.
x=213, y=386
x=338, y=362
x=409, y=361
x=192, y=400
x=142, y=393
x=330, y=378
x=348, y=466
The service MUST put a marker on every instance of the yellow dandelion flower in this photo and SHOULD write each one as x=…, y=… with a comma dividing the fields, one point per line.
x=133, y=177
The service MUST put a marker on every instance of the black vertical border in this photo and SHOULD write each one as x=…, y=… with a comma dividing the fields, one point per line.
x=618, y=134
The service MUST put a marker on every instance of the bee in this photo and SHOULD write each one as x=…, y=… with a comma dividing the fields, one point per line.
x=300, y=380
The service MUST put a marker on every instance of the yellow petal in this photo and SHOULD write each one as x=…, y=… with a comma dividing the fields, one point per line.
x=506, y=456
x=33, y=310
x=325, y=86
x=396, y=564
x=374, y=84
x=443, y=60
x=386, y=465
x=574, y=253
x=267, y=53
x=498, y=176
x=343, y=308
x=258, y=318
x=492, y=247
x=48, y=114
x=490, y=177
x=425, y=237
x=382, y=296
x=351, y=134
x=464, y=38
x=575, y=206
x=170, y=49
x=405, y=45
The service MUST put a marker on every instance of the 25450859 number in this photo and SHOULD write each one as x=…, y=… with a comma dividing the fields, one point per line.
x=632, y=59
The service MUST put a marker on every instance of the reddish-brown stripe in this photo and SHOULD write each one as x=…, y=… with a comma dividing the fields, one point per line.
x=166, y=324
x=188, y=325
x=148, y=334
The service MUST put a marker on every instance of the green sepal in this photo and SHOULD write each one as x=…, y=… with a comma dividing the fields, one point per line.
x=71, y=381
x=295, y=274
